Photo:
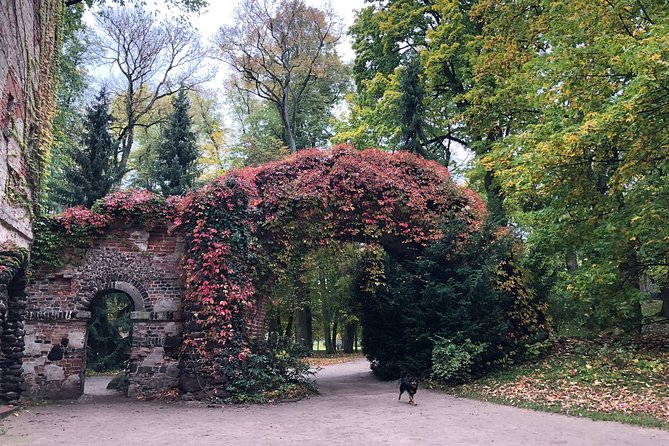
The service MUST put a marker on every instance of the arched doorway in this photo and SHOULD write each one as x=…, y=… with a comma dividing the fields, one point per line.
x=140, y=264
x=108, y=343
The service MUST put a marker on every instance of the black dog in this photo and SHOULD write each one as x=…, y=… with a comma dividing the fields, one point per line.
x=410, y=385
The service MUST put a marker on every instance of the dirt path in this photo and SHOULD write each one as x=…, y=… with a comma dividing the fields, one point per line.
x=352, y=409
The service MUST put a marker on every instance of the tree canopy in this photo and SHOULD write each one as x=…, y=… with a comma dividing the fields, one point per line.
x=284, y=53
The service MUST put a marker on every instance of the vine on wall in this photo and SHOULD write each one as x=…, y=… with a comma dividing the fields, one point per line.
x=261, y=214
x=42, y=85
x=77, y=227
x=12, y=259
x=254, y=215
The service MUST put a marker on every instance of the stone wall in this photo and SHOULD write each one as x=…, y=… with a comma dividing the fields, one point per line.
x=144, y=265
x=12, y=312
x=28, y=43
x=16, y=46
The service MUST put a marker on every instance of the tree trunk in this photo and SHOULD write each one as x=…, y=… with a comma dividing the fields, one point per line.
x=289, y=327
x=309, y=328
x=495, y=199
x=328, y=338
x=630, y=272
x=125, y=154
x=348, y=339
x=301, y=327
x=664, y=296
x=571, y=261
x=275, y=322
x=285, y=121
x=334, y=335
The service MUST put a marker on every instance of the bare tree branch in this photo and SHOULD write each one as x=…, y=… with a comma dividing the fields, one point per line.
x=278, y=51
x=154, y=58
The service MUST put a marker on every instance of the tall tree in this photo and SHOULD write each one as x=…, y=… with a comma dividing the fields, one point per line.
x=585, y=171
x=411, y=109
x=211, y=133
x=177, y=155
x=411, y=55
x=153, y=57
x=93, y=170
x=257, y=136
x=68, y=121
x=278, y=52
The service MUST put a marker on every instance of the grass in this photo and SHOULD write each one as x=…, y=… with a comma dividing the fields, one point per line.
x=602, y=379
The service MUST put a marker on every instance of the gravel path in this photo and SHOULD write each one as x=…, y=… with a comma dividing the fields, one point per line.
x=352, y=409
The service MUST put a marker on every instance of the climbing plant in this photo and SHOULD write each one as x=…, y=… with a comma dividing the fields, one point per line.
x=38, y=135
x=78, y=226
x=251, y=220
x=242, y=229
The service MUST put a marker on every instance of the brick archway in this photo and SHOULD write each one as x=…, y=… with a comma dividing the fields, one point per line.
x=145, y=265
x=133, y=288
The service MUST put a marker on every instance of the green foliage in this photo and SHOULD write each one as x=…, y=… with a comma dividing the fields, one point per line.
x=176, y=168
x=411, y=71
x=453, y=362
x=273, y=369
x=410, y=108
x=259, y=138
x=585, y=170
x=109, y=338
x=68, y=120
x=48, y=245
x=328, y=278
x=381, y=312
x=466, y=291
x=12, y=259
x=93, y=170
x=563, y=104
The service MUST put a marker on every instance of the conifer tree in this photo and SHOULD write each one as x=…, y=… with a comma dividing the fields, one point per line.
x=177, y=154
x=410, y=108
x=93, y=171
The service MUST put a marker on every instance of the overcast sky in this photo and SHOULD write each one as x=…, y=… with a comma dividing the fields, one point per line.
x=221, y=12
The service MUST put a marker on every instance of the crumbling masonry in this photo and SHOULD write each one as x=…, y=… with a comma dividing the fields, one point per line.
x=28, y=38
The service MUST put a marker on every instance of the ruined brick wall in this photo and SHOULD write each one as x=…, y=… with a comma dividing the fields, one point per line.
x=12, y=311
x=146, y=266
x=29, y=31
x=255, y=320
x=18, y=51
x=28, y=46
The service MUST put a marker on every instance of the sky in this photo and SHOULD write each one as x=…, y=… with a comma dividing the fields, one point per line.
x=221, y=12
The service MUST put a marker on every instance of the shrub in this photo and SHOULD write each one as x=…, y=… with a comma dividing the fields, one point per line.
x=271, y=369
x=467, y=291
x=452, y=361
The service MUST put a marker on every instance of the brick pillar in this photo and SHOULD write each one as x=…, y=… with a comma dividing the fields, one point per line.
x=154, y=358
x=55, y=354
x=255, y=323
